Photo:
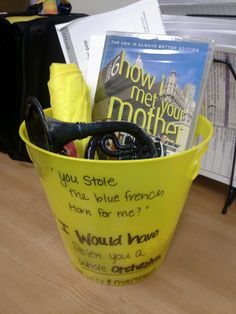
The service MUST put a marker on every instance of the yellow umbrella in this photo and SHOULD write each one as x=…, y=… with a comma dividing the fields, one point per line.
x=69, y=98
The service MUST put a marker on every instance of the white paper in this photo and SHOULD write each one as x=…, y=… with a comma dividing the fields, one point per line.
x=220, y=95
x=194, y=2
x=220, y=99
x=217, y=162
x=222, y=31
x=182, y=7
x=61, y=40
x=193, y=22
x=198, y=20
x=94, y=63
x=143, y=16
x=220, y=108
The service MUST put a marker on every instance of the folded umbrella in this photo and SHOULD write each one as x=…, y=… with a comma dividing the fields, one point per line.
x=70, y=99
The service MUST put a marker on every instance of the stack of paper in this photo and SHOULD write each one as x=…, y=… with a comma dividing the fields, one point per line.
x=206, y=7
x=220, y=97
x=222, y=31
x=77, y=36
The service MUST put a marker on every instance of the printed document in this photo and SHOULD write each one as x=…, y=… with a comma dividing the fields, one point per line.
x=142, y=16
x=220, y=96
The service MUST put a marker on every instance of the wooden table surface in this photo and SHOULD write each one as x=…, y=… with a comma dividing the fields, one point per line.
x=36, y=276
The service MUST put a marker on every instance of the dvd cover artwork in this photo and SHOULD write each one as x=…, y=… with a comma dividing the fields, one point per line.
x=156, y=82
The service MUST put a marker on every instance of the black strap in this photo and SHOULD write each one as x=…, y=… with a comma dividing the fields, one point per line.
x=231, y=190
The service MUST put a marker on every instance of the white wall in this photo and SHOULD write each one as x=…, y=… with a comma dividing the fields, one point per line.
x=97, y=6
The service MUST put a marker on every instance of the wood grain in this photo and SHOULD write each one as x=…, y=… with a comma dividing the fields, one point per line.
x=36, y=276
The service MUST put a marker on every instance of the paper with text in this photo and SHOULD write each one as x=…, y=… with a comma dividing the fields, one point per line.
x=204, y=7
x=142, y=16
x=220, y=95
x=220, y=108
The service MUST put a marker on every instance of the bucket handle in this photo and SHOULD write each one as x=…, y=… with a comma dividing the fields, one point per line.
x=204, y=130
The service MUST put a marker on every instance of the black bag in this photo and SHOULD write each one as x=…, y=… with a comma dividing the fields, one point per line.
x=27, y=50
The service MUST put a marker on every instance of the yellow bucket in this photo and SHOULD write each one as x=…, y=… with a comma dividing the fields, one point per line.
x=117, y=218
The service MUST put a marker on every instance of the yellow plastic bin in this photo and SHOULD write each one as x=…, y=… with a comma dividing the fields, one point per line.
x=117, y=218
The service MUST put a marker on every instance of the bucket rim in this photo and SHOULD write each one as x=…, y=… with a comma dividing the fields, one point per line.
x=201, y=118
